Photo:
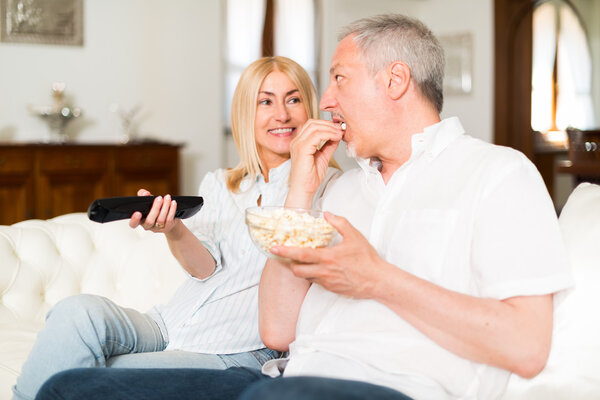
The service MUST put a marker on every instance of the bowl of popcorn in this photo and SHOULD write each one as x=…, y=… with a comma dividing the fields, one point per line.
x=283, y=226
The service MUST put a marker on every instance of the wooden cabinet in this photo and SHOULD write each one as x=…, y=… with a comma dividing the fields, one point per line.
x=44, y=181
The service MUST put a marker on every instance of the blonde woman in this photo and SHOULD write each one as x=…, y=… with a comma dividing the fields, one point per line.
x=212, y=319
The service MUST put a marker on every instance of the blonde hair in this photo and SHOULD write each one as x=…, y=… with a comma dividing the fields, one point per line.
x=243, y=111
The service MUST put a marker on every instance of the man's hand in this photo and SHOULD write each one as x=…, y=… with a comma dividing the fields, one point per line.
x=350, y=268
x=311, y=151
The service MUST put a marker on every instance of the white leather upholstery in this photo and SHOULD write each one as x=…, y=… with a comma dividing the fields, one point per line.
x=573, y=369
x=42, y=262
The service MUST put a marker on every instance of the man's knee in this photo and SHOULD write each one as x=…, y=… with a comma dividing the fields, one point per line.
x=316, y=388
x=273, y=389
x=60, y=385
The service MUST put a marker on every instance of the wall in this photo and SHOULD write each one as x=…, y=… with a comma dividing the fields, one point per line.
x=162, y=55
x=443, y=18
x=167, y=57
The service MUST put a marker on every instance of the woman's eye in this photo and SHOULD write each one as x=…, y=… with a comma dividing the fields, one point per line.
x=264, y=102
x=294, y=100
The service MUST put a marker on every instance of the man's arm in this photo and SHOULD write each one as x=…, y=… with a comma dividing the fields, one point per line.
x=513, y=334
x=281, y=294
x=280, y=297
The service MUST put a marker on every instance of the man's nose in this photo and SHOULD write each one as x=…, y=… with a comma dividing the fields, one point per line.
x=328, y=100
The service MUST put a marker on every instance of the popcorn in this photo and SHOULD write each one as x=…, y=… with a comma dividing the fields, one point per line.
x=275, y=226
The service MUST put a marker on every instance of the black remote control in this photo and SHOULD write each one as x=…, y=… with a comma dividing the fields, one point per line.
x=116, y=208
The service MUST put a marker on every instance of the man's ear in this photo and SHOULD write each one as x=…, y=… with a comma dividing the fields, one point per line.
x=398, y=79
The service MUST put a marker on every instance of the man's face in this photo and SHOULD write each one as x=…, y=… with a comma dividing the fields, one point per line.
x=354, y=97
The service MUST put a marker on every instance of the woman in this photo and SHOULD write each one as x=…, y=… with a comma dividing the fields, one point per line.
x=212, y=319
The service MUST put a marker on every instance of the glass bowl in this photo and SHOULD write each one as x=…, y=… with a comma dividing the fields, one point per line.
x=283, y=226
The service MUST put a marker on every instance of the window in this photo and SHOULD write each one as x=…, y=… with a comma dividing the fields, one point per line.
x=258, y=28
x=562, y=66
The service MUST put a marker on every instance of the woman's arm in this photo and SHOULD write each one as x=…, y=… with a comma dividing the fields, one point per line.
x=185, y=246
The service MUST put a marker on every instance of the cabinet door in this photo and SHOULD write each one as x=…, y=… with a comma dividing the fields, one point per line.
x=16, y=185
x=70, y=179
x=155, y=168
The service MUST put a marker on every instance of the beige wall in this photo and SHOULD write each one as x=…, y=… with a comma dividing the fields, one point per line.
x=167, y=56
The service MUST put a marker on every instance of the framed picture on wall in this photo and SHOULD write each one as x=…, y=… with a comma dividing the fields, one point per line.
x=58, y=22
x=458, y=49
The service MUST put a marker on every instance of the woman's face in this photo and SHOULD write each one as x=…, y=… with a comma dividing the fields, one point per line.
x=280, y=113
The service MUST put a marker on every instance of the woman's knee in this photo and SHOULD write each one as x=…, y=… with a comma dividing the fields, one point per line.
x=75, y=307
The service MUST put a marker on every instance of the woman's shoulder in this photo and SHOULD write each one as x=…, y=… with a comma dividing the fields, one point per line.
x=214, y=180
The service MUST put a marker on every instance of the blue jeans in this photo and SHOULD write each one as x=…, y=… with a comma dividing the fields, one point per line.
x=92, y=331
x=198, y=384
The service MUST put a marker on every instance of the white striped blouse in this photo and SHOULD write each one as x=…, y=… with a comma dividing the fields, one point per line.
x=219, y=314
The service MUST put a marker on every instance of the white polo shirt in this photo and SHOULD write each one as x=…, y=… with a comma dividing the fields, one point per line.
x=464, y=214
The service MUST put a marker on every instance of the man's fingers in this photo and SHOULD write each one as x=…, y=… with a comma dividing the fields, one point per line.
x=298, y=254
x=340, y=224
x=319, y=129
x=313, y=124
x=306, y=271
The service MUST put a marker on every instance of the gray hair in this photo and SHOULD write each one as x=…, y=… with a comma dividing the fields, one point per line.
x=383, y=39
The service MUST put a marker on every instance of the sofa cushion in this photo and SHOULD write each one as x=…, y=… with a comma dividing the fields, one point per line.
x=573, y=369
x=45, y=261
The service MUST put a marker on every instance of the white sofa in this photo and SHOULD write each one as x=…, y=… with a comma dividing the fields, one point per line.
x=44, y=261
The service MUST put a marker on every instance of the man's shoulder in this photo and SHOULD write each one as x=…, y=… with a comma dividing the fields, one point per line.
x=342, y=181
x=349, y=177
x=482, y=152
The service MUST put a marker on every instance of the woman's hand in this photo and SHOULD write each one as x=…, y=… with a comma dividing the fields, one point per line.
x=161, y=217
x=311, y=150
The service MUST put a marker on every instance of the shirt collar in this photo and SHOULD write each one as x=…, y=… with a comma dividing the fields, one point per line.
x=276, y=174
x=431, y=142
x=440, y=135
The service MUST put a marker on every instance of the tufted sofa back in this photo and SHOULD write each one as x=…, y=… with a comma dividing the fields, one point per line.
x=45, y=261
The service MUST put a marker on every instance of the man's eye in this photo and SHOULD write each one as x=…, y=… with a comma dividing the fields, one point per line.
x=338, y=78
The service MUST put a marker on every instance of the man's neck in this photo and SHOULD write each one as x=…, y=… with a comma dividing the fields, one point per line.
x=398, y=152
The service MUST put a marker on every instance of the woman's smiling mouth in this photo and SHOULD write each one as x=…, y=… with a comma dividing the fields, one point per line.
x=282, y=131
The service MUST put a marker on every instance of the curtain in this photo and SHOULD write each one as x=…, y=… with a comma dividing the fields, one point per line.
x=295, y=33
x=574, y=103
x=294, y=37
x=544, y=53
x=245, y=21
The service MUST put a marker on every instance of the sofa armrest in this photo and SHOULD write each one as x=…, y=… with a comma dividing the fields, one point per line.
x=47, y=260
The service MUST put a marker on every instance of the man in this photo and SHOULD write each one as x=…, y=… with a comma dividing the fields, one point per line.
x=443, y=282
